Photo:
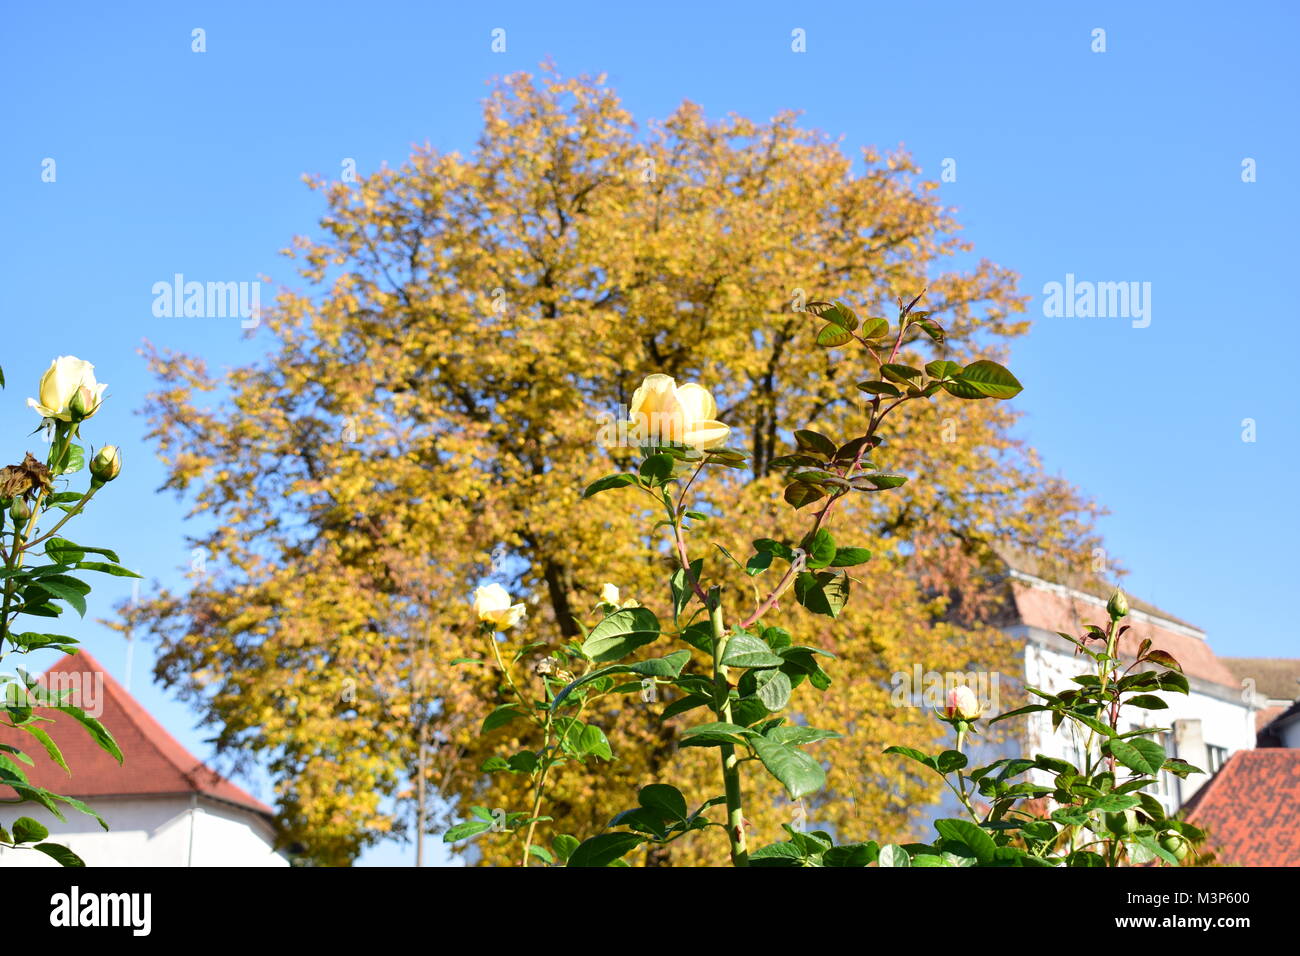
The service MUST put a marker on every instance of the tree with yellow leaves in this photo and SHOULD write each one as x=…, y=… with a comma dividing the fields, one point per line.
x=472, y=333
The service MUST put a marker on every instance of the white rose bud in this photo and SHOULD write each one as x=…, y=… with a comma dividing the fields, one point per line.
x=963, y=704
x=107, y=464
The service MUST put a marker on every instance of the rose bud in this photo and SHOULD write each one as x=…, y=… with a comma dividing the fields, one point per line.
x=962, y=704
x=107, y=464
x=1117, y=606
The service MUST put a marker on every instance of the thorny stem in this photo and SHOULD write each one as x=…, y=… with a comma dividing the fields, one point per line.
x=730, y=763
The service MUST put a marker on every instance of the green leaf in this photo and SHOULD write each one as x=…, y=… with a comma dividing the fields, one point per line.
x=942, y=369
x=564, y=844
x=930, y=327
x=541, y=853
x=773, y=689
x=98, y=732
x=76, y=461
x=680, y=585
x=775, y=547
x=880, y=481
x=902, y=374
x=824, y=592
x=1152, y=845
x=1144, y=756
x=27, y=830
x=836, y=312
x=104, y=568
x=783, y=854
x=921, y=758
x=984, y=379
x=621, y=633
x=849, y=557
x=793, y=734
x=893, y=855
x=65, y=588
x=592, y=742
x=608, y=482
x=799, y=494
x=61, y=853
x=1147, y=702
x=973, y=837
x=950, y=760
x=667, y=667
x=880, y=388
x=665, y=800
x=746, y=650
x=810, y=440
x=1111, y=803
x=500, y=717
x=820, y=547
x=712, y=734
x=832, y=336
x=467, y=829
x=798, y=771
x=657, y=468
x=50, y=746
x=80, y=550
x=604, y=849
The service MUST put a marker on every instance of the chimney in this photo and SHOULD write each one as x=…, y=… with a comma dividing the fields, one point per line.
x=1189, y=745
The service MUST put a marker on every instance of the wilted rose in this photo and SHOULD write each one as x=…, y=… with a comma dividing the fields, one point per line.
x=30, y=476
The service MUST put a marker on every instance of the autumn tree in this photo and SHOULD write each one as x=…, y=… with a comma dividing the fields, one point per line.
x=468, y=329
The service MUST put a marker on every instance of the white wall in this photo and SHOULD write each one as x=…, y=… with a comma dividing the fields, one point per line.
x=152, y=831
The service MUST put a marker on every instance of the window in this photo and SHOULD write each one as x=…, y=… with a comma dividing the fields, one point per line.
x=1215, y=757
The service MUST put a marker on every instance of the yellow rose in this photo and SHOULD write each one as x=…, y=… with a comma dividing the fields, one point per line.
x=492, y=605
x=609, y=595
x=69, y=378
x=664, y=412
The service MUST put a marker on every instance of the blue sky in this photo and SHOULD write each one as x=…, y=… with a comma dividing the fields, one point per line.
x=1115, y=166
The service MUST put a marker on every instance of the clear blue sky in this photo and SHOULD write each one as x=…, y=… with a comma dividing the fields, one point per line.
x=1116, y=166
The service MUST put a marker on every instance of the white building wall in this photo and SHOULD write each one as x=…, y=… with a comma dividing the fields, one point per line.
x=153, y=831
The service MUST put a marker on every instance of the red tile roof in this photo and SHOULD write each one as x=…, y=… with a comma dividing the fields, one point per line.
x=154, y=762
x=1251, y=808
x=1053, y=611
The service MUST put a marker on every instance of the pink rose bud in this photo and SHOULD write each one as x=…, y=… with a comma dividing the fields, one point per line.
x=962, y=704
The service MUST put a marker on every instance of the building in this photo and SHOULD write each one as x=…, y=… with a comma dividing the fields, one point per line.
x=1275, y=681
x=164, y=807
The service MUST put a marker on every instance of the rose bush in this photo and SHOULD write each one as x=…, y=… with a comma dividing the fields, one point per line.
x=41, y=577
x=742, y=675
